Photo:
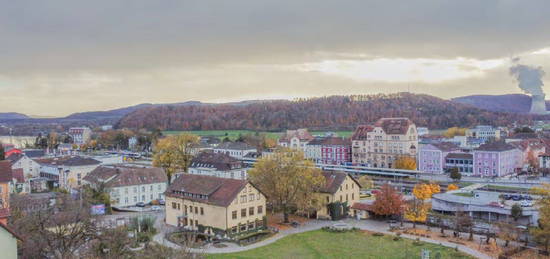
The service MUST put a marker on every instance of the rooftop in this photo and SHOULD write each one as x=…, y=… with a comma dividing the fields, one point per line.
x=235, y=146
x=496, y=146
x=220, y=161
x=217, y=191
x=394, y=126
x=117, y=176
x=68, y=161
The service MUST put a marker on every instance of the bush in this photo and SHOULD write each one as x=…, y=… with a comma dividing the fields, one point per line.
x=143, y=237
x=377, y=234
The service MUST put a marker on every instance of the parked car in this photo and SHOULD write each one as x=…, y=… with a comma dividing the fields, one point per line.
x=526, y=204
x=507, y=196
x=516, y=197
x=155, y=208
x=140, y=204
x=496, y=204
x=527, y=197
x=162, y=202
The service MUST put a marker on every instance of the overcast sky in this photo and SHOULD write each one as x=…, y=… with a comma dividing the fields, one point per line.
x=63, y=56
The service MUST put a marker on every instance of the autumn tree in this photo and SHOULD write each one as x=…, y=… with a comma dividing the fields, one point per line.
x=452, y=187
x=366, y=182
x=388, y=202
x=532, y=159
x=287, y=179
x=507, y=232
x=173, y=153
x=455, y=174
x=542, y=232
x=418, y=209
x=455, y=131
x=405, y=162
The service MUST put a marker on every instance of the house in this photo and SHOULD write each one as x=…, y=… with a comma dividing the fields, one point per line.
x=335, y=150
x=463, y=161
x=80, y=135
x=67, y=171
x=235, y=149
x=496, y=159
x=213, y=205
x=530, y=150
x=422, y=131
x=5, y=179
x=484, y=132
x=380, y=144
x=128, y=185
x=313, y=150
x=339, y=188
x=295, y=139
x=431, y=157
x=8, y=242
x=219, y=165
x=21, y=161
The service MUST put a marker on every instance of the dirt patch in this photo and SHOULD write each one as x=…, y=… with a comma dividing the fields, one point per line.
x=276, y=220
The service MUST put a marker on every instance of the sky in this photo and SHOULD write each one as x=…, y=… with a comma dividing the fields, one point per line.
x=58, y=57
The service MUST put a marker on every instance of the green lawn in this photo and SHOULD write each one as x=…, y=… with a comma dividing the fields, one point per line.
x=322, y=244
x=234, y=134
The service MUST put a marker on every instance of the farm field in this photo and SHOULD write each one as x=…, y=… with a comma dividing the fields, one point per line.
x=357, y=244
x=234, y=134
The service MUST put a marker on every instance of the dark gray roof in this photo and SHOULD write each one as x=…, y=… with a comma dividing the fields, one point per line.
x=34, y=153
x=235, y=146
x=220, y=161
x=496, y=147
x=117, y=176
x=446, y=146
x=68, y=161
x=460, y=156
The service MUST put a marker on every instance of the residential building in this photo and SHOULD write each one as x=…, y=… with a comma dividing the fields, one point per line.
x=235, y=149
x=380, y=144
x=463, y=161
x=335, y=150
x=128, y=185
x=218, y=165
x=5, y=179
x=80, y=135
x=544, y=160
x=422, y=131
x=67, y=171
x=496, y=159
x=216, y=206
x=484, y=132
x=431, y=157
x=339, y=188
x=313, y=150
x=482, y=205
x=8, y=242
x=295, y=139
x=21, y=161
x=530, y=150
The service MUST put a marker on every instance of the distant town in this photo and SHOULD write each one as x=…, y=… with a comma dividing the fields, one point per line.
x=215, y=192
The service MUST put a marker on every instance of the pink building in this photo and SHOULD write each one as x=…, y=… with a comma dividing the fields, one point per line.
x=496, y=159
x=431, y=157
x=335, y=150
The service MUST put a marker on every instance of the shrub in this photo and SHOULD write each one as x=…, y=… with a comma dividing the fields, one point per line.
x=377, y=234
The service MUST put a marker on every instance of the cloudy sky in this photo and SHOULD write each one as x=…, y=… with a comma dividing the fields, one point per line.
x=63, y=56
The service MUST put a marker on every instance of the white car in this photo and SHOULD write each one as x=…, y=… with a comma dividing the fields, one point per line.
x=526, y=204
x=155, y=208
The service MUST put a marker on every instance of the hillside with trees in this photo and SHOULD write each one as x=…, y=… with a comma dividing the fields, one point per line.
x=323, y=113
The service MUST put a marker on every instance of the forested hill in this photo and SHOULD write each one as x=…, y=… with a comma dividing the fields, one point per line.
x=329, y=113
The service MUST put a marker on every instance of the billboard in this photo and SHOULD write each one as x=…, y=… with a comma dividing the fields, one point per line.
x=98, y=209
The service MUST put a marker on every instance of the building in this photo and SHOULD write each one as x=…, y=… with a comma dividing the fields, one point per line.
x=128, y=185
x=544, y=160
x=218, y=165
x=5, y=179
x=335, y=150
x=21, y=161
x=482, y=205
x=484, y=132
x=67, y=171
x=463, y=161
x=431, y=157
x=379, y=145
x=313, y=150
x=8, y=242
x=295, y=139
x=530, y=150
x=235, y=149
x=216, y=206
x=339, y=188
x=422, y=131
x=80, y=135
x=496, y=159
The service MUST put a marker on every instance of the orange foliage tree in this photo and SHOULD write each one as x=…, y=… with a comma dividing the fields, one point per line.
x=452, y=187
x=417, y=211
x=388, y=202
x=405, y=162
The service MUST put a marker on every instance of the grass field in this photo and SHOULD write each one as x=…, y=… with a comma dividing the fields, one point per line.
x=322, y=244
x=234, y=134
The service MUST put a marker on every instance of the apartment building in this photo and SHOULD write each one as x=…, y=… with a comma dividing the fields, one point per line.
x=431, y=157
x=496, y=159
x=295, y=139
x=235, y=149
x=68, y=171
x=484, y=132
x=380, y=144
x=219, y=165
x=214, y=205
x=339, y=187
x=80, y=135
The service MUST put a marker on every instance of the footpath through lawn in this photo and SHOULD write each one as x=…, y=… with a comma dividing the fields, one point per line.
x=356, y=244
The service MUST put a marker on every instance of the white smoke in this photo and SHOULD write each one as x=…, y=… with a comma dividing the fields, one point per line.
x=529, y=78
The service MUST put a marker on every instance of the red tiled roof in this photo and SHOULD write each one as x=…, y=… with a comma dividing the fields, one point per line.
x=219, y=191
x=5, y=171
x=333, y=180
x=394, y=125
x=361, y=132
x=336, y=141
x=116, y=176
x=220, y=161
x=360, y=206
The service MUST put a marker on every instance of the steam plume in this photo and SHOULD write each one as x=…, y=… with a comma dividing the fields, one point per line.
x=529, y=78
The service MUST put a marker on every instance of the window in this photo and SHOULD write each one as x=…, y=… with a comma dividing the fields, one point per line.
x=346, y=197
x=151, y=188
x=243, y=213
x=340, y=198
x=258, y=196
x=251, y=211
x=234, y=214
x=179, y=206
x=173, y=205
x=135, y=189
x=135, y=198
x=196, y=210
x=142, y=197
x=159, y=187
x=151, y=196
x=202, y=211
x=142, y=188
x=328, y=199
x=126, y=190
x=234, y=229
x=251, y=197
x=251, y=225
x=260, y=209
x=196, y=222
x=191, y=209
x=243, y=228
x=243, y=198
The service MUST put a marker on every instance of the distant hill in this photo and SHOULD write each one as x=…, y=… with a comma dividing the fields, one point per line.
x=12, y=116
x=333, y=113
x=517, y=103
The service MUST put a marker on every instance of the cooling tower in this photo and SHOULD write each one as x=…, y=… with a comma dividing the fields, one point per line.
x=538, y=104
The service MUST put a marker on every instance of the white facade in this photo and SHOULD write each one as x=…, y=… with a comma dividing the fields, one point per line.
x=239, y=173
x=30, y=167
x=124, y=196
x=484, y=132
x=313, y=152
x=236, y=153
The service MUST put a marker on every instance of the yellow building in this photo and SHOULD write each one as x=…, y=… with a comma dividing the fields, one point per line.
x=214, y=205
x=339, y=188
